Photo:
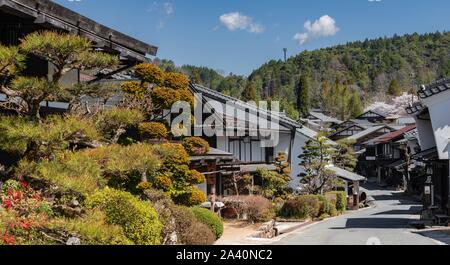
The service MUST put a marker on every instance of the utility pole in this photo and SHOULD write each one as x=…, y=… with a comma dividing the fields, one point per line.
x=413, y=89
x=285, y=54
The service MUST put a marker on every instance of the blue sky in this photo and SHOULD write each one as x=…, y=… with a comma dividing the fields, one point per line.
x=239, y=35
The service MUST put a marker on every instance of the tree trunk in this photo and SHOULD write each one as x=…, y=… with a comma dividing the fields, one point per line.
x=34, y=110
x=144, y=176
x=235, y=185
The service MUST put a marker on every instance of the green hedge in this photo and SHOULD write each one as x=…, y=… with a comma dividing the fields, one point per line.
x=327, y=207
x=302, y=207
x=137, y=218
x=309, y=206
x=341, y=200
x=209, y=218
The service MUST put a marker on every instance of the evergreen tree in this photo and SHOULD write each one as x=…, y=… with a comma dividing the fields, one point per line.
x=355, y=105
x=344, y=156
x=303, y=101
x=249, y=93
x=394, y=89
x=283, y=167
x=316, y=158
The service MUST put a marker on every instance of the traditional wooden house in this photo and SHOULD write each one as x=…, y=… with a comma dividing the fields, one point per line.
x=370, y=133
x=319, y=121
x=347, y=132
x=243, y=136
x=385, y=155
x=19, y=18
x=250, y=146
x=374, y=116
x=433, y=125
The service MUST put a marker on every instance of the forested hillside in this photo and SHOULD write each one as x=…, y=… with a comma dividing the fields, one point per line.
x=343, y=78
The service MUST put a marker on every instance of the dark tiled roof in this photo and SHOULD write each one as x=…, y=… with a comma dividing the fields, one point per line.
x=376, y=112
x=284, y=120
x=57, y=16
x=417, y=107
x=434, y=88
x=393, y=135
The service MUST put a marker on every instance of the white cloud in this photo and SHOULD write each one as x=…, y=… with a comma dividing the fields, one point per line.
x=237, y=21
x=168, y=8
x=325, y=26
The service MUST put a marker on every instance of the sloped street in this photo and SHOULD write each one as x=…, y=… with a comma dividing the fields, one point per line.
x=387, y=223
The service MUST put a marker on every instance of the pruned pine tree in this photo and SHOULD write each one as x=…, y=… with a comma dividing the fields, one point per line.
x=316, y=158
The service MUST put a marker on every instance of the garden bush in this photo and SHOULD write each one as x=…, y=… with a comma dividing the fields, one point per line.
x=209, y=218
x=92, y=229
x=340, y=198
x=327, y=207
x=196, y=146
x=253, y=208
x=152, y=130
x=193, y=196
x=137, y=218
x=150, y=73
x=176, y=81
x=189, y=230
x=302, y=207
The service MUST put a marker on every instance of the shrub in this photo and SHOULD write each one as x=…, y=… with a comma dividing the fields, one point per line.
x=258, y=209
x=189, y=230
x=209, y=218
x=302, y=207
x=152, y=130
x=163, y=183
x=176, y=80
x=327, y=208
x=154, y=195
x=143, y=186
x=195, y=177
x=192, y=197
x=38, y=140
x=133, y=89
x=93, y=229
x=114, y=122
x=150, y=73
x=172, y=154
x=196, y=145
x=164, y=98
x=255, y=208
x=199, y=234
x=340, y=199
x=137, y=218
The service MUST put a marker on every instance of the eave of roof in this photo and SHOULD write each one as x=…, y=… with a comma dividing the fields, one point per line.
x=347, y=128
x=393, y=135
x=345, y=174
x=383, y=115
x=285, y=121
x=434, y=88
x=367, y=132
x=60, y=17
x=324, y=118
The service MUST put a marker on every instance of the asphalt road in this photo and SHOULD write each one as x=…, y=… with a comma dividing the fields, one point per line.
x=385, y=224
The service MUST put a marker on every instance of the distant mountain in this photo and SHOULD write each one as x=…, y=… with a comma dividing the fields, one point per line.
x=368, y=65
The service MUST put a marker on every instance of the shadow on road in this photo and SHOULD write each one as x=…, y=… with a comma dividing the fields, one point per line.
x=411, y=211
x=376, y=223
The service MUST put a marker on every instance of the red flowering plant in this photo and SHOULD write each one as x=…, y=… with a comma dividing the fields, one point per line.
x=21, y=210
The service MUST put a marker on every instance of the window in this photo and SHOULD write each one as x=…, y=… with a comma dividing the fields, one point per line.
x=270, y=158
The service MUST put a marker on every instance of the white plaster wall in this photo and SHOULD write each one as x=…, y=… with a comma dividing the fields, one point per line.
x=426, y=134
x=299, y=143
x=439, y=106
